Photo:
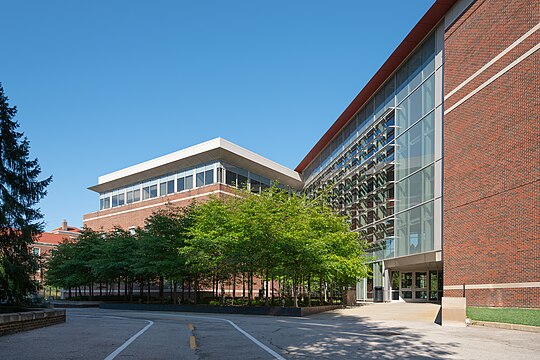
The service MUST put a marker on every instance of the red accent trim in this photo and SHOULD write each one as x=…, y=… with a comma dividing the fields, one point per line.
x=420, y=30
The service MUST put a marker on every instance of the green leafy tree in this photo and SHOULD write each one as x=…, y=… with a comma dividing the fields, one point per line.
x=20, y=220
x=159, y=244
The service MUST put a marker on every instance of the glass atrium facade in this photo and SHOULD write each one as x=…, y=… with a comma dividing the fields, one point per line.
x=381, y=169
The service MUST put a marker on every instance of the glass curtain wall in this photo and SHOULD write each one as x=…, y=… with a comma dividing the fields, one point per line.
x=379, y=169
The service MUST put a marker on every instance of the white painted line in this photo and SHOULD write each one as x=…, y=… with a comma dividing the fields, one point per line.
x=494, y=77
x=129, y=341
x=257, y=342
x=494, y=60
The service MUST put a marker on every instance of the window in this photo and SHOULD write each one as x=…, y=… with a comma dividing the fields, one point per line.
x=133, y=195
x=170, y=186
x=121, y=199
x=199, y=179
x=36, y=251
x=209, y=177
x=136, y=195
x=242, y=181
x=105, y=202
x=162, y=189
x=189, y=182
x=230, y=178
x=406, y=280
x=180, y=184
x=153, y=191
x=114, y=200
x=146, y=192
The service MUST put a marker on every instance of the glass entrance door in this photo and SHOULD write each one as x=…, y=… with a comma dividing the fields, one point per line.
x=395, y=285
x=435, y=286
x=406, y=289
x=421, y=286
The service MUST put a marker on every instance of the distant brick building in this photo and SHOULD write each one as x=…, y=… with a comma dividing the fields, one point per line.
x=47, y=241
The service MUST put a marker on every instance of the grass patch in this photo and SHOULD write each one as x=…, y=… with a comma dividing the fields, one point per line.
x=505, y=315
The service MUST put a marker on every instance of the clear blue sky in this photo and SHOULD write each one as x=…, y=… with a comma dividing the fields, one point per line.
x=102, y=85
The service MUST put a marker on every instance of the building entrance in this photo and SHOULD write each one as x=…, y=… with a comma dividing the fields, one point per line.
x=420, y=286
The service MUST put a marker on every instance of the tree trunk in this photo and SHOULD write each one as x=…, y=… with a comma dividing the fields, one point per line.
x=100, y=289
x=267, y=299
x=250, y=288
x=126, y=288
x=189, y=289
x=320, y=290
x=272, y=290
x=332, y=293
x=175, y=300
x=183, y=288
x=243, y=288
x=294, y=294
x=222, y=292
x=213, y=285
x=171, y=292
x=161, y=285
x=196, y=288
x=141, y=288
x=309, y=290
x=234, y=287
x=148, y=292
x=118, y=286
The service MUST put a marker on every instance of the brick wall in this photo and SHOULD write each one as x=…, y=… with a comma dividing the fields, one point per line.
x=492, y=155
x=134, y=214
x=16, y=322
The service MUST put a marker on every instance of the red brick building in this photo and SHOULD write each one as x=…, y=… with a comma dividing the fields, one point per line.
x=47, y=241
x=492, y=154
x=213, y=168
x=437, y=160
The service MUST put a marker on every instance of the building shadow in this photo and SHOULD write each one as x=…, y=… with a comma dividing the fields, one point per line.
x=438, y=318
x=339, y=336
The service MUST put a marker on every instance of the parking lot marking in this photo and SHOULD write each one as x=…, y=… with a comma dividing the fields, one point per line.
x=192, y=343
x=238, y=328
x=129, y=341
x=190, y=327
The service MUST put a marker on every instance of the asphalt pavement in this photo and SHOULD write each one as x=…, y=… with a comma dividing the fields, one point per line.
x=389, y=331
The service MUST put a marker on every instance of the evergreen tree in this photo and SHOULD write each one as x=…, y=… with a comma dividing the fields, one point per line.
x=20, y=220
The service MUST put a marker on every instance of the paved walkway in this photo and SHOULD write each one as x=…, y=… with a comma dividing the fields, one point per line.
x=399, y=311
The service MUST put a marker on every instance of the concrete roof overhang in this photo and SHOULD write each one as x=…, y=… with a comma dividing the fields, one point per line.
x=216, y=149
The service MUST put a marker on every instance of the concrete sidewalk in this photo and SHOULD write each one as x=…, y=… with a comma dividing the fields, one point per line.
x=399, y=311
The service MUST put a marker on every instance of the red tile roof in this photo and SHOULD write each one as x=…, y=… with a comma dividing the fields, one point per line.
x=49, y=238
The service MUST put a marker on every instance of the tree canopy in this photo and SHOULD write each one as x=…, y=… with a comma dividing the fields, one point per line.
x=273, y=237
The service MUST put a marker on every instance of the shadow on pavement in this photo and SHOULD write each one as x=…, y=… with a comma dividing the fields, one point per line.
x=336, y=336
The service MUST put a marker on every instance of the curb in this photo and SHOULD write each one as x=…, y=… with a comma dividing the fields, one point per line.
x=528, y=328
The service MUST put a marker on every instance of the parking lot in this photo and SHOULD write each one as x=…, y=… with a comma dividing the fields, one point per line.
x=370, y=332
